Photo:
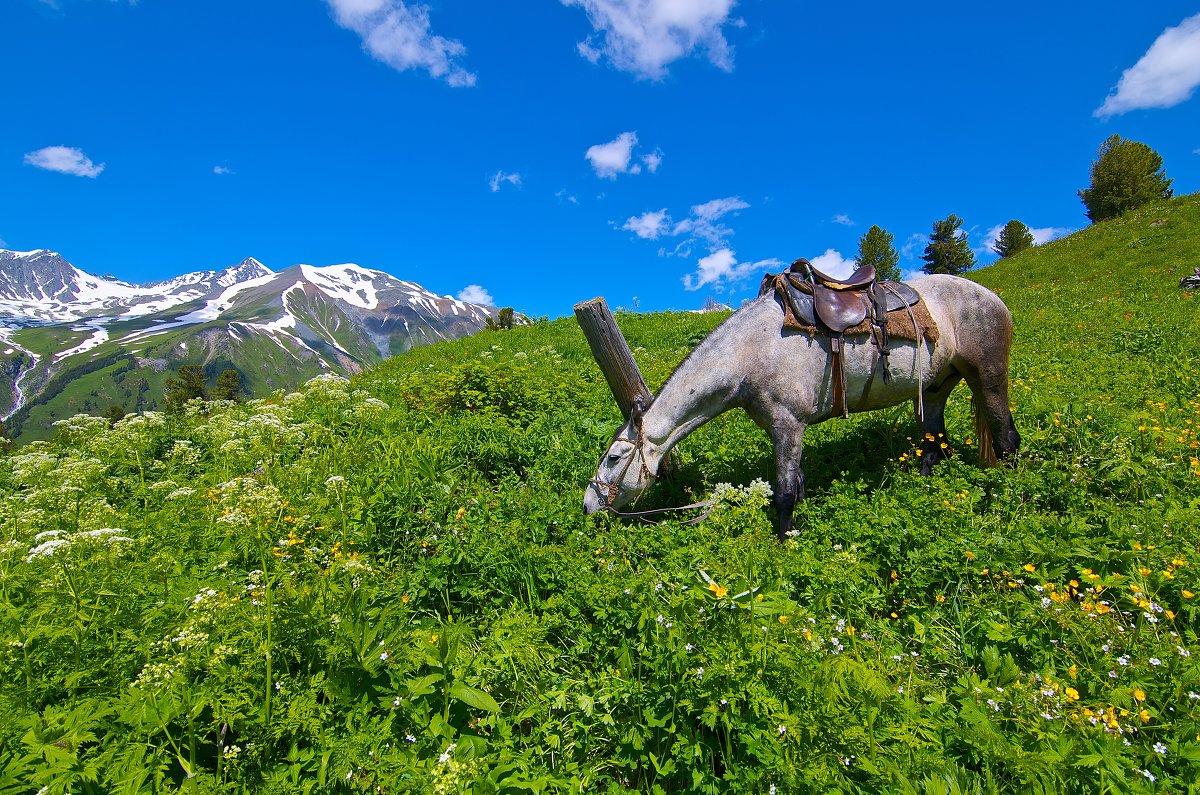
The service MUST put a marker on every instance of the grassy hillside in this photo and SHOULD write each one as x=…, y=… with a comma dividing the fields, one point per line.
x=389, y=586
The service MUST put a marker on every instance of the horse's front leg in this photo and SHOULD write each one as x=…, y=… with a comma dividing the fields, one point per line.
x=789, y=477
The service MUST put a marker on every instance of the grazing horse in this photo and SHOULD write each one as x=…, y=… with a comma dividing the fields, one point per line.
x=782, y=379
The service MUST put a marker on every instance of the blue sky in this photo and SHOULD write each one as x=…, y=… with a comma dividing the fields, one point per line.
x=542, y=152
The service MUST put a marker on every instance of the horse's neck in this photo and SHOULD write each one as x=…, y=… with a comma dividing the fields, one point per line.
x=702, y=387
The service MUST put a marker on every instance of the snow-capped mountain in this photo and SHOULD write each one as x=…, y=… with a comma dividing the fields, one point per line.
x=41, y=287
x=59, y=323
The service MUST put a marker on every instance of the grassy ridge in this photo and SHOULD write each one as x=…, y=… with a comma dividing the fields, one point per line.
x=389, y=585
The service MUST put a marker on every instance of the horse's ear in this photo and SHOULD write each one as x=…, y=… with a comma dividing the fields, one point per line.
x=636, y=412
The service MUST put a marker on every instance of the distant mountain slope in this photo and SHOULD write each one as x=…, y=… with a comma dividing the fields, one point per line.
x=71, y=341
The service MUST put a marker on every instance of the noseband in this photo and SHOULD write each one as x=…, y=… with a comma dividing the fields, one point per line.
x=610, y=488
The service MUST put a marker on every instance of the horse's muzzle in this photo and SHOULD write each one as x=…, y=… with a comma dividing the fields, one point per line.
x=592, y=501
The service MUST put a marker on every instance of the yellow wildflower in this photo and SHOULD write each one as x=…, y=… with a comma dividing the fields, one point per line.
x=970, y=555
x=1139, y=694
x=1072, y=694
x=1187, y=594
x=719, y=590
x=783, y=619
x=1029, y=567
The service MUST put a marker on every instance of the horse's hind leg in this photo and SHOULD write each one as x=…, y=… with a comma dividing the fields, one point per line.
x=933, y=444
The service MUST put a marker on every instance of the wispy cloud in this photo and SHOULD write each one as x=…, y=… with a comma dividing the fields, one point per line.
x=703, y=225
x=399, y=35
x=64, y=160
x=222, y=170
x=566, y=197
x=645, y=36
x=914, y=243
x=843, y=219
x=722, y=270
x=1165, y=76
x=499, y=178
x=616, y=157
x=649, y=225
x=474, y=294
x=703, y=228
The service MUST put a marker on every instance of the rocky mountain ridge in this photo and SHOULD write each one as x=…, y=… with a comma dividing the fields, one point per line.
x=72, y=341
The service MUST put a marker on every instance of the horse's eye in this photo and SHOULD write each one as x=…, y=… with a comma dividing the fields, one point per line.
x=614, y=458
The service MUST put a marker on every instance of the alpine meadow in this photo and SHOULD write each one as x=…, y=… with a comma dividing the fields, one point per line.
x=388, y=585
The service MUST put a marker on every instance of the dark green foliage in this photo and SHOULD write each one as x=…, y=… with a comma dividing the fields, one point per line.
x=188, y=383
x=503, y=321
x=876, y=247
x=1014, y=238
x=948, y=250
x=228, y=386
x=1125, y=175
x=114, y=414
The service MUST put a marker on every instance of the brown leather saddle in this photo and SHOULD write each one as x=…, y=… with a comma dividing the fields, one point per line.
x=832, y=306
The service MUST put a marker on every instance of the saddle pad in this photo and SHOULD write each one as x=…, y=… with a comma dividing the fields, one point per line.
x=799, y=314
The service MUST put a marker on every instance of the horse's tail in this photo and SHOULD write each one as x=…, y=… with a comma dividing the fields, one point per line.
x=983, y=431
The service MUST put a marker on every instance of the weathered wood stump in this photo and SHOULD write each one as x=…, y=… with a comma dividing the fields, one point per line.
x=612, y=353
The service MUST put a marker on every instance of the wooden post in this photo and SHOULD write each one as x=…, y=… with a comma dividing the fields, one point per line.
x=612, y=354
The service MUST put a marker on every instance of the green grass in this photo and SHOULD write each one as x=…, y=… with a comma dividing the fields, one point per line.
x=49, y=340
x=389, y=585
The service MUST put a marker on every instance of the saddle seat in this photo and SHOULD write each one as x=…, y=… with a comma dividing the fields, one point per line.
x=840, y=304
x=861, y=279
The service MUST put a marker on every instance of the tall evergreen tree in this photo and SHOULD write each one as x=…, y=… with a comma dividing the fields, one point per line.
x=187, y=384
x=948, y=250
x=877, y=247
x=1125, y=175
x=228, y=386
x=1014, y=238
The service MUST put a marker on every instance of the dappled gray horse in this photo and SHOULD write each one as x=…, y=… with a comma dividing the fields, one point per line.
x=782, y=379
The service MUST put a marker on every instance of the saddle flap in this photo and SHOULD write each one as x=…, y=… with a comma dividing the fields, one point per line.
x=838, y=309
x=897, y=295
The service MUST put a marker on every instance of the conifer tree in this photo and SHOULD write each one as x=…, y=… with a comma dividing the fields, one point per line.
x=187, y=384
x=228, y=386
x=876, y=247
x=1125, y=175
x=1014, y=238
x=948, y=250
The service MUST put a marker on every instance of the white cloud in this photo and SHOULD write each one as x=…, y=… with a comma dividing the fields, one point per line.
x=1165, y=76
x=614, y=157
x=722, y=270
x=499, y=178
x=64, y=160
x=653, y=160
x=222, y=170
x=703, y=224
x=832, y=263
x=566, y=196
x=644, y=36
x=474, y=294
x=843, y=219
x=398, y=35
x=649, y=225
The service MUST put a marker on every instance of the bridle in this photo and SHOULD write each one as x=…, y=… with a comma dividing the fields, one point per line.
x=610, y=488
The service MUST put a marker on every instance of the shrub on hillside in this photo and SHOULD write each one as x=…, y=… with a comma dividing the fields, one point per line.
x=1125, y=175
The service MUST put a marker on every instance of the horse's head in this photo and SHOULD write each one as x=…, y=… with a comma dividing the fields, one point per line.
x=623, y=473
